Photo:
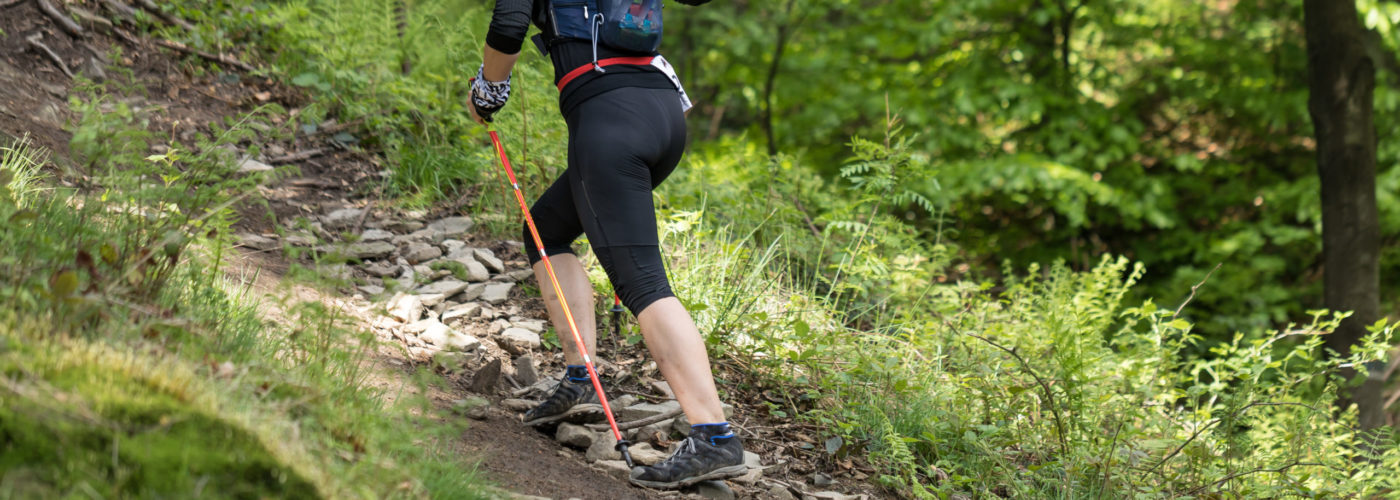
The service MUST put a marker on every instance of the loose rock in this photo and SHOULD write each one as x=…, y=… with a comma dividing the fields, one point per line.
x=381, y=269
x=464, y=311
x=436, y=334
x=534, y=325
x=496, y=293
x=486, y=257
x=645, y=454
x=371, y=290
x=821, y=480
x=447, y=288
x=602, y=448
x=258, y=242
x=472, y=292
x=451, y=246
x=341, y=219
x=780, y=492
x=525, y=373
x=614, y=467
x=421, y=252
x=450, y=228
x=365, y=250
x=645, y=410
x=714, y=490
x=405, y=307
x=485, y=379
x=457, y=341
x=375, y=235
x=576, y=436
x=519, y=340
x=660, y=386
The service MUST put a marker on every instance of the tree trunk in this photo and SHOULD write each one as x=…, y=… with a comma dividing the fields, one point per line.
x=1342, y=78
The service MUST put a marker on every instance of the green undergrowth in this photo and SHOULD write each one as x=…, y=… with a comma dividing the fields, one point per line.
x=133, y=365
x=1046, y=384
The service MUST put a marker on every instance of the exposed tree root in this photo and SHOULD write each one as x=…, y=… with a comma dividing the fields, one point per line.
x=72, y=28
x=623, y=426
x=5, y=4
x=218, y=58
x=151, y=7
x=44, y=49
x=119, y=8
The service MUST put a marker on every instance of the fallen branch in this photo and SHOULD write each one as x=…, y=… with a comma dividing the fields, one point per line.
x=218, y=58
x=58, y=61
x=151, y=7
x=63, y=21
x=296, y=157
x=88, y=16
x=638, y=423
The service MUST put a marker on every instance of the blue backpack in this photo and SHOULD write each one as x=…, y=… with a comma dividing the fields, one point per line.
x=629, y=25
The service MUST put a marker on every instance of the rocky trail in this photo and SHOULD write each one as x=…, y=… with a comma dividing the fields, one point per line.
x=436, y=290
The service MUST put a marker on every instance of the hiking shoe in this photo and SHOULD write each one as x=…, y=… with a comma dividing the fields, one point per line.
x=571, y=401
x=697, y=459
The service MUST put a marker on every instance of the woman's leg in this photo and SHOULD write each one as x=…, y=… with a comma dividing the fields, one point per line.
x=579, y=292
x=679, y=351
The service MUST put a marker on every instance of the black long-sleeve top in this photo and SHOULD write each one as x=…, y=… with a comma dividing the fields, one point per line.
x=511, y=21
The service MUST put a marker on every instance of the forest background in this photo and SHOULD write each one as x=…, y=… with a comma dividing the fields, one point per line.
x=1028, y=248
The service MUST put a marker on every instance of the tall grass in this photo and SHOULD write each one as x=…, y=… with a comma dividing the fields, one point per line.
x=133, y=367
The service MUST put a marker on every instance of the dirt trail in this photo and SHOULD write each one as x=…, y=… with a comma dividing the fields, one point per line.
x=434, y=289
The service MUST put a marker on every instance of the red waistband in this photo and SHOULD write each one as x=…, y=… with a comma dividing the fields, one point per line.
x=579, y=71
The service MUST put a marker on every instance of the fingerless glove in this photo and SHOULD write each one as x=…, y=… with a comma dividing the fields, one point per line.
x=488, y=97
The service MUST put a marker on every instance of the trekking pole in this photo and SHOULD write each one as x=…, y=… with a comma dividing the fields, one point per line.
x=559, y=292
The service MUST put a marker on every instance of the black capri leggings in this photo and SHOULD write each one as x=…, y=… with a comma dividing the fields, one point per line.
x=622, y=144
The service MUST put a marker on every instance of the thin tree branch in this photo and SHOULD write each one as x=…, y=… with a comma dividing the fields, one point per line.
x=638, y=423
x=1230, y=477
x=1193, y=290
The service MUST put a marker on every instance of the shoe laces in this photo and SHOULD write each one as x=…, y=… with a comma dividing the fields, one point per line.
x=687, y=446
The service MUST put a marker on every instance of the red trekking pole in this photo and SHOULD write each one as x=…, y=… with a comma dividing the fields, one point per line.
x=559, y=292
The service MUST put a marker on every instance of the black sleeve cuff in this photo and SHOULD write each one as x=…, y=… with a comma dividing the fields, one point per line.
x=504, y=43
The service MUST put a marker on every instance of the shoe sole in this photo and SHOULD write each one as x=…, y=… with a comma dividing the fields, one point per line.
x=576, y=411
x=714, y=475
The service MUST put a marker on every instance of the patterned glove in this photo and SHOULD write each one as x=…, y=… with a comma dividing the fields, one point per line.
x=488, y=97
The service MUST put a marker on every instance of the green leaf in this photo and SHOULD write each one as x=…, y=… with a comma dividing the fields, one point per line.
x=63, y=284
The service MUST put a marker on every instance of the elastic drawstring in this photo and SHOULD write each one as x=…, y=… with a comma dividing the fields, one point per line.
x=593, y=30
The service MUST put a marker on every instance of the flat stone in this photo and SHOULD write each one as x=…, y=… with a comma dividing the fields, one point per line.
x=525, y=372
x=614, y=467
x=258, y=242
x=657, y=432
x=431, y=299
x=663, y=388
x=714, y=490
x=518, y=405
x=341, y=219
x=573, y=435
x=472, y=292
x=751, y=460
x=458, y=341
x=534, y=325
x=447, y=288
x=645, y=454
x=486, y=257
x=646, y=410
x=780, y=492
x=476, y=272
x=496, y=293
x=418, y=252
x=821, y=480
x=602, y=448
x=474, y=407
x=371, y=290
x=407, y=308
x=450, y=228
x=485, y=379
x=450, y=246
x=300, y=239
x=403, y=226
x=464, y=311
x=251, y=165
x=376, y=235
x=365, y=250
x=435, y=334
x=830, y=495
x=519, y=340
x=520, y=275
x=380, y=269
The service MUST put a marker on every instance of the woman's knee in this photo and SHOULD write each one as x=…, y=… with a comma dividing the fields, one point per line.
x=637, y=274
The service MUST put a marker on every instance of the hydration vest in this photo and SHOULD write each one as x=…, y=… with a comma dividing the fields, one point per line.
x=627, y=25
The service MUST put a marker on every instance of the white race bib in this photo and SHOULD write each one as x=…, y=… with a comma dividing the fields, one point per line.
x=665, y=67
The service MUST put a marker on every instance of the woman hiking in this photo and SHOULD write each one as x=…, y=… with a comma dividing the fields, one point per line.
x=625, y=115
